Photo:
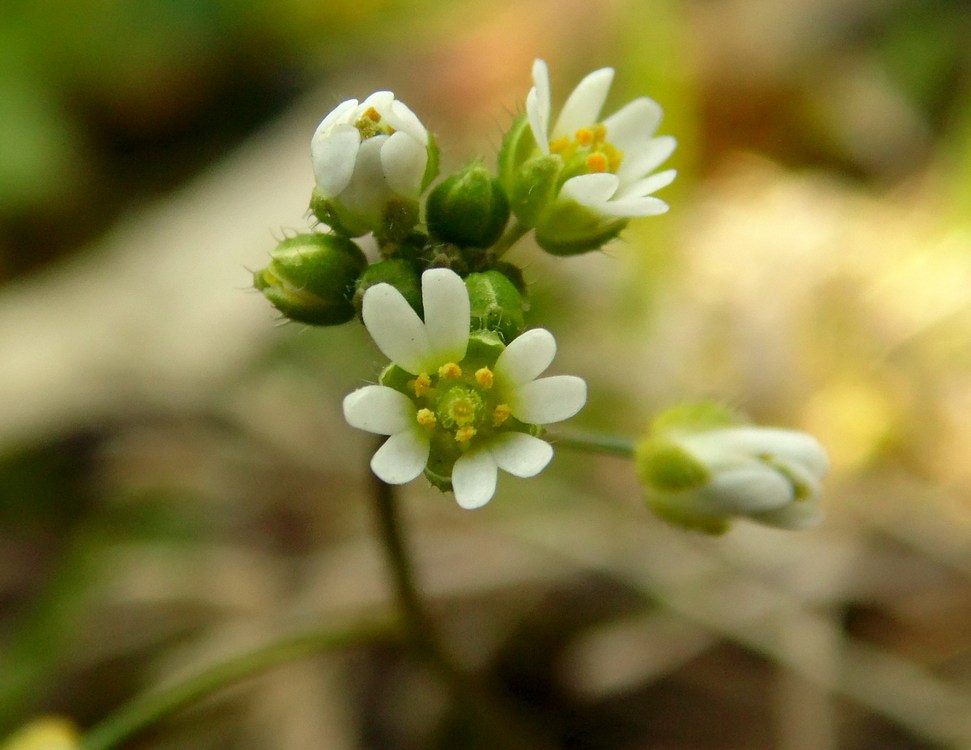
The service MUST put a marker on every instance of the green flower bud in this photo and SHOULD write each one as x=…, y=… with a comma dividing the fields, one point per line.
x=398, y=272
x=469, y=209
x=569, y=228
x=311, y=278
x=496, y=304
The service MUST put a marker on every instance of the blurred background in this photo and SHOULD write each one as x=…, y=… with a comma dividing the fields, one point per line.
x=177, y=483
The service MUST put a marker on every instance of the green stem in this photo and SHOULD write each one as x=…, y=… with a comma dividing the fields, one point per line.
x=484, y=703
x=514, y=232
x=150, y=709
x=591, y=442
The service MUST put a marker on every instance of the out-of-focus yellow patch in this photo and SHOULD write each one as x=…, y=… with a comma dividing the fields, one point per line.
x=47, y=733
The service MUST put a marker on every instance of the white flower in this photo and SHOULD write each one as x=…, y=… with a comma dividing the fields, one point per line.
x=703, y=478
x=365, y=154
x=458, y=415
x=612, y=159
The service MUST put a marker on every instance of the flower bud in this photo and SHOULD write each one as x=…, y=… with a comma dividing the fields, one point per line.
x=701, y=467
x=469, y=209
x=496, y=304
x=398, y=272
x=311, y=278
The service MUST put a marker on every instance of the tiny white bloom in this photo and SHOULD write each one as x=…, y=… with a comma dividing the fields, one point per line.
x=367, y=153
x=456, y=414
x=611, y=159
x=703, y=477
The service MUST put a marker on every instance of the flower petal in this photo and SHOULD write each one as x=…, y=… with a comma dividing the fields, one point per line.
x=590, y=189
x=396, y=328
x=445, y=299
x=333, y=155
x=647, y=185
x=342, y=113
x=526, y=357
x=791, y=445
x=520, y=454
x=403, y=161
x=795, y=516
x=634, y=122
x=548, y=400
x=645, y=157
x=402, y=457
x=379, y=409
x=750, y=489
x=474, y=479
x=402, y=119
x=538, y=105
x=582, y=107
x=628, y=208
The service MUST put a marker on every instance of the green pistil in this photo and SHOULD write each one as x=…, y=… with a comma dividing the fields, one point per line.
x=459, y=407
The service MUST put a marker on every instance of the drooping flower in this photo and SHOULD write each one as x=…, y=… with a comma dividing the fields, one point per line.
x=702, y=472
x=456, y=406
x=371, y=161
x=585, y=177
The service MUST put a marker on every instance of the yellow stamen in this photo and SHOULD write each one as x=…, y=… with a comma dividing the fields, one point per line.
x=450, y=370
x=584, y=136
x=559, y=144
x=483, y=376
x=599, y=132
x=501, y=414
x=422, y=384
x=597, y=162
x=426, y=418
x=373, y=114
x=464, y=434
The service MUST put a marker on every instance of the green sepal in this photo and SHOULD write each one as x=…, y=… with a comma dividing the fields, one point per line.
x=533, y=186
x=695, y=417
x=518, y=145
x=431, y=166
x=569, y=228
x=496, y=304
x=672, y=507
x=667, y=467
x=468, y=209
x=311, y=278
x=398, y=219
x=398, y=272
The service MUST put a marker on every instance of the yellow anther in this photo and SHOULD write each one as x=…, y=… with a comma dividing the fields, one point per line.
x=501, y=414
x=584, y=136
x=426, y=418
x=464, y=434
x=450, y=370
x=483, y=376
x=422, y=384
x=599, y=132
x=597, y=162
x=373, y=114
x=559, y=144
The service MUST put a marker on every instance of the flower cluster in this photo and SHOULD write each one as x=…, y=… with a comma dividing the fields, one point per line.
x=462, y=396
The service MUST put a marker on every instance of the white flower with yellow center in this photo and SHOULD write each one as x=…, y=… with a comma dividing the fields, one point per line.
x=455, y=406
x=608, y=163
x=367, y=158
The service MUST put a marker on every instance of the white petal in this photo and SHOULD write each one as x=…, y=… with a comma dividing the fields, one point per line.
x=634, y=122
x=645, y=157
x=380, y=100
x=538, y=106
x=747, y=490
x=628, y=208
x=396, y=328
x=379, y=409
x=549, y=400
x=647, y=185
x=520, y=454
x=402, y=119
x=795, y=516
x=402, y=457
x=445, y=299
x=590, y=189
x=583, y=106
x=403, y=161
x=474, y=479
x=333, y=156
x=526, y=357
x=791, y=445
x=342, y=113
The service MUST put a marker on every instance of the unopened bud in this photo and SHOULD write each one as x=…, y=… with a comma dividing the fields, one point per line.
x=469, y=209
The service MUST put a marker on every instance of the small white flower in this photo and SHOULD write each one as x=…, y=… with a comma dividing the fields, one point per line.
x=365, y=154
x=612, y=159
x=463, y=415
x=703, y=477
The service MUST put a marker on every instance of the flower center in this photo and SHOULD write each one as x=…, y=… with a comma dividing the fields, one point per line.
x=588, y=151
x=371, y=124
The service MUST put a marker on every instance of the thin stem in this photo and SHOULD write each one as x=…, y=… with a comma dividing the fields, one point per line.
x=150, y=709
x=495, y=717
x=591, y=442
x=514, y=232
